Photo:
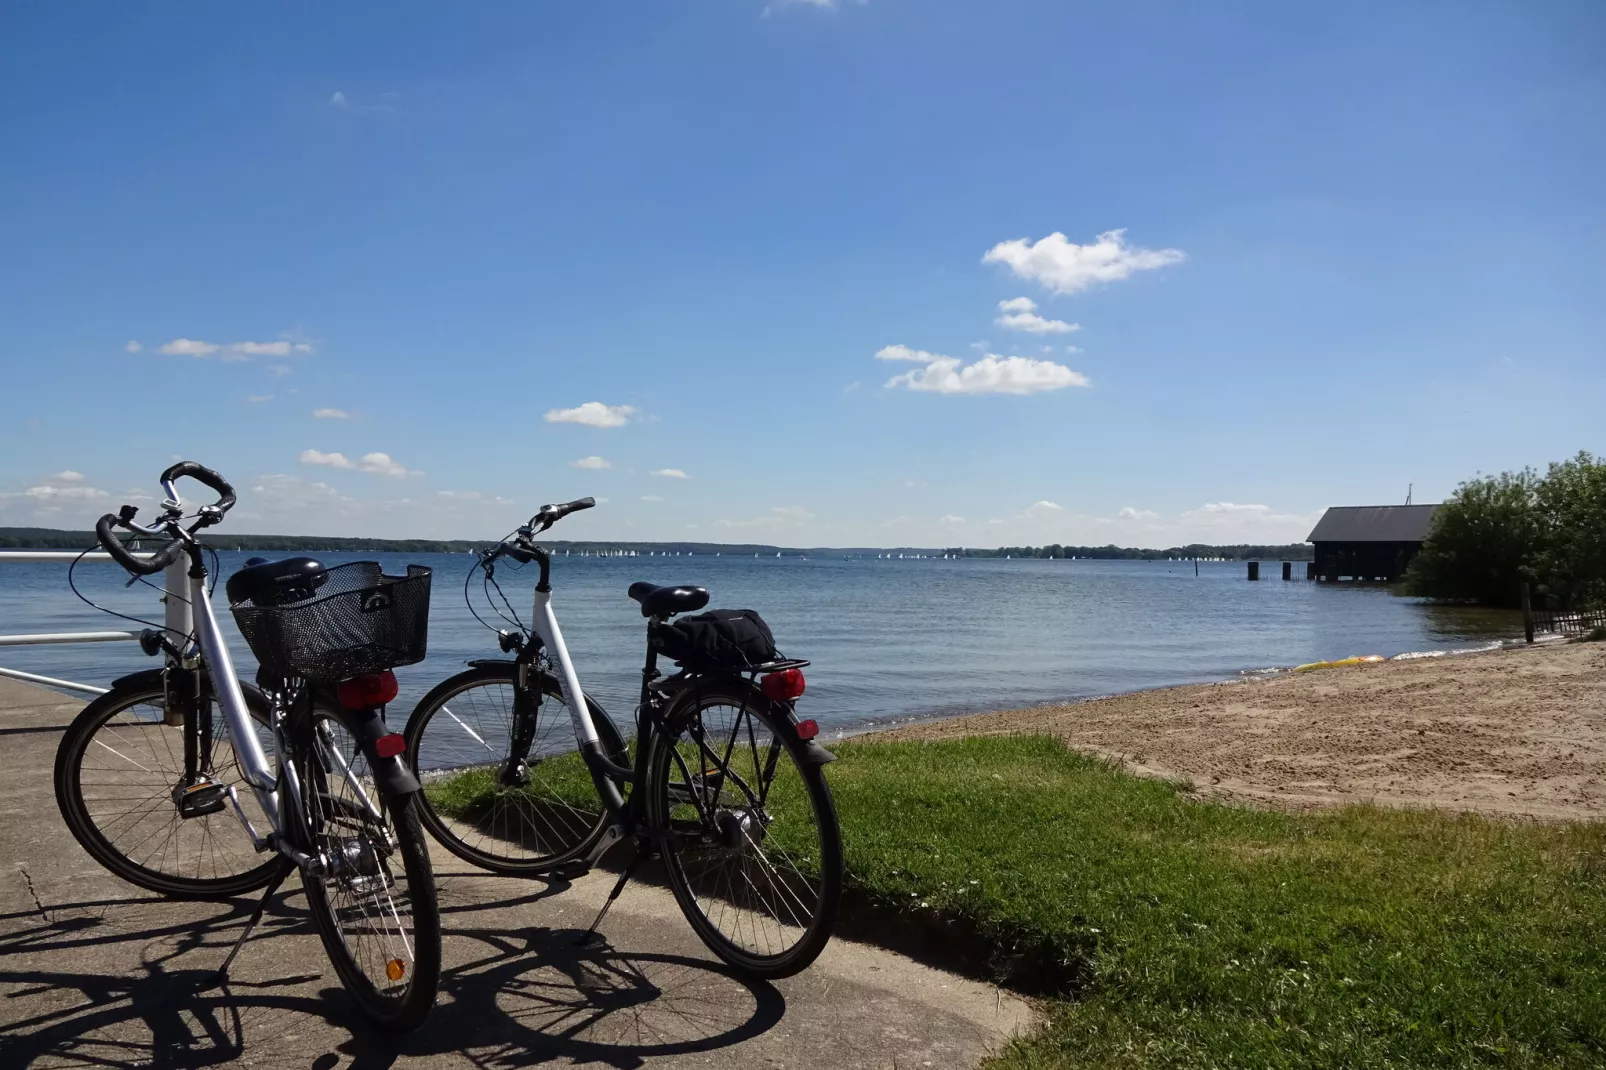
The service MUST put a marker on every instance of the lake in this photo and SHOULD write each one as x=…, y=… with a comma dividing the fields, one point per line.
x=891, y=640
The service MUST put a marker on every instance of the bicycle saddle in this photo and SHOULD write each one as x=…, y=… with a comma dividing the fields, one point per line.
x=667, y=601
x=275, y=583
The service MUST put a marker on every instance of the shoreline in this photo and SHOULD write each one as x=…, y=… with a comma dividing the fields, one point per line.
x=1515, y=731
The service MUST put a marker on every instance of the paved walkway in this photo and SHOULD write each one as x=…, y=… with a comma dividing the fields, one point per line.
x=95, y=972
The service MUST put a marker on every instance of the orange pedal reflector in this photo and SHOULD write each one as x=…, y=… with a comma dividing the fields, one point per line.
x=395, y=970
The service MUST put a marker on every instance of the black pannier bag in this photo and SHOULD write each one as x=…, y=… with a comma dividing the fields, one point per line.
x=727, y=639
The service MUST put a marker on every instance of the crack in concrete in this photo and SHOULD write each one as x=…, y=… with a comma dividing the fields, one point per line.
x=39, y=904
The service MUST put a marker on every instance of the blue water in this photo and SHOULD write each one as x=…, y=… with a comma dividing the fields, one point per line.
x=891, y=640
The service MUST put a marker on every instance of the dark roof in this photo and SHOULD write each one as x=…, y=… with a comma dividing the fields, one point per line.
x=1373, y=523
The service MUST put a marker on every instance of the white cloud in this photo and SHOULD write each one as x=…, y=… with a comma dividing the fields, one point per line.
x=279, y=369
x=592, y=414
x=381, y=464
x=1129, y=513
x=234, y=351
x=951, y=519
x=331, y=460
x=67, y=476
x=919, y=356
x=132, y=346
x=992, y=374
x=1065, y=267
x=777, y=517
x=260, y=349
x=593, y=463
x=1020, y=314
x=473, y=496
x=1032, y=323
x=48, y=493
x=651, y=498
x=1040, y=509
x=257, y=399
x=670, y=473
x=331, y=414
x=188, y=347
x=1231, y=507
x=340, y=102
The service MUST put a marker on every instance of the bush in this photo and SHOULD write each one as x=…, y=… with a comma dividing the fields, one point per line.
x=1495, y=532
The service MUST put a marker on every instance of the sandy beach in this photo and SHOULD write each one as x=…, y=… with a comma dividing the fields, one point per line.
x=1520, y=731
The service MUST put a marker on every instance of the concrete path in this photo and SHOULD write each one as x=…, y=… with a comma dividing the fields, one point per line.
x=96, y=972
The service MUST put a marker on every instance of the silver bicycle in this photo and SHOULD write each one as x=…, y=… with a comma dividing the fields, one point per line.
x=527, y=775
x=150, y=776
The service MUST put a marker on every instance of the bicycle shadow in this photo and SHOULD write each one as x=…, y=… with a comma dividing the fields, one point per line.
x=135, y=987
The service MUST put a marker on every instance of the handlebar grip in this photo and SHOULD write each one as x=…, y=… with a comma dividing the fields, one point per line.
x=560, y=511
x=120, y=553
x=202, y=474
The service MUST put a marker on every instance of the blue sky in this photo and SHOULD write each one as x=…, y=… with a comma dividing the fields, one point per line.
x=876, y=273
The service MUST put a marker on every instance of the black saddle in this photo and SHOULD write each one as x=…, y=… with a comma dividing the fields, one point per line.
x=275, y=583
x=667, y=601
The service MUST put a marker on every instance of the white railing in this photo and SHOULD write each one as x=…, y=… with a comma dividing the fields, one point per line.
x=176, y=620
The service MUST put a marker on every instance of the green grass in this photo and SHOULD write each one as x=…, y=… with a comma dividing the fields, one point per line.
x=470, y=794
x=1188, y=934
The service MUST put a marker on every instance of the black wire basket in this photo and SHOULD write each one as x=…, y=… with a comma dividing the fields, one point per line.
x=358, y=621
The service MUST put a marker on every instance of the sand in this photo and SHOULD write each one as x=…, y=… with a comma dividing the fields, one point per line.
x=1520, y=731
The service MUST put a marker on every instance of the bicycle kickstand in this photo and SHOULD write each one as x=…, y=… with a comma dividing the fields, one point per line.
x=222, y=977
x=618, y=886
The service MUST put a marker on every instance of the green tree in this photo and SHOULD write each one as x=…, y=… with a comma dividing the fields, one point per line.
x=1572, y=507
x=1485, y=541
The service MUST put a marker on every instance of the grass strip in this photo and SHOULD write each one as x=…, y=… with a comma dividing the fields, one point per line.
x=1176, y=933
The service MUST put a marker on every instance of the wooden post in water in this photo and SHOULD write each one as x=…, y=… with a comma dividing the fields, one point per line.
x=1288, y=570
x=1196, y=566
x=1254, y=570
x=1527, y=613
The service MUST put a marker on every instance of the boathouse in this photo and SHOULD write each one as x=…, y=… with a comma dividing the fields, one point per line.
x=1369, y=542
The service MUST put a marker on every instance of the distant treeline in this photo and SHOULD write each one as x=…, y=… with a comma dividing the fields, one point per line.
x=1296, y=551
x=56, y=539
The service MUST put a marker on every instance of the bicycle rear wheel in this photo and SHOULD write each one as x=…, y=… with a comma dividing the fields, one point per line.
x=518, y=816
x=118, y=770
x=754, y=853
x=375, y=907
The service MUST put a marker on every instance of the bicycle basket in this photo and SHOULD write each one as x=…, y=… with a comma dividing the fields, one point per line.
x=361, y=621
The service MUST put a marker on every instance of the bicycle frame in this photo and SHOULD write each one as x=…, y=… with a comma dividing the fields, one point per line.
x=258, y=773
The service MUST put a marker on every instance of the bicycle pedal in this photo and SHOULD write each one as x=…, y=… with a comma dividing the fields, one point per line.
x=572, y=871
x=199, y=800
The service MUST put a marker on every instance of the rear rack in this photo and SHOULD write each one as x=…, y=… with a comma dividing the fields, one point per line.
x=778, y=665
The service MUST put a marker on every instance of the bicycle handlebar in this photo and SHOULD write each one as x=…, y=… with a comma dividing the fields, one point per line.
x=548, y=515
x=120, y=553
x=201, y=474
x=208, y=515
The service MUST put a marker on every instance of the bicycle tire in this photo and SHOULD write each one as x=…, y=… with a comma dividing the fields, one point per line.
x=347, y=901
x=151, y=781
x=497, y=829
x=813, y=881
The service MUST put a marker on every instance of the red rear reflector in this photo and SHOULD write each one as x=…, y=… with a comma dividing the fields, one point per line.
x=783, y=686
x=367, y=692
x=391, y=745
x=807, y=729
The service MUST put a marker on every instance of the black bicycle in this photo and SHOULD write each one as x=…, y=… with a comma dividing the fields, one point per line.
x=150, y=776
x=524, y=774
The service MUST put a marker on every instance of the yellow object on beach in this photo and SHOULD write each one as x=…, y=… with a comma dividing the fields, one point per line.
x=1359, y=659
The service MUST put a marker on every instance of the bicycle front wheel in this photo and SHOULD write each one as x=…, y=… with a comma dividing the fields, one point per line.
x=505, y=786
x=375, y=905
x=752, y=847
x=120, y=769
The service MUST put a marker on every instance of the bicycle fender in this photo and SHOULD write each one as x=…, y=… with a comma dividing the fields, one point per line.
x=139, y=679
x=815, y=754
x=393, y=773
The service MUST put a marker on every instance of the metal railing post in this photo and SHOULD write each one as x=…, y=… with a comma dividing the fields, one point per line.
x=179, y=621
